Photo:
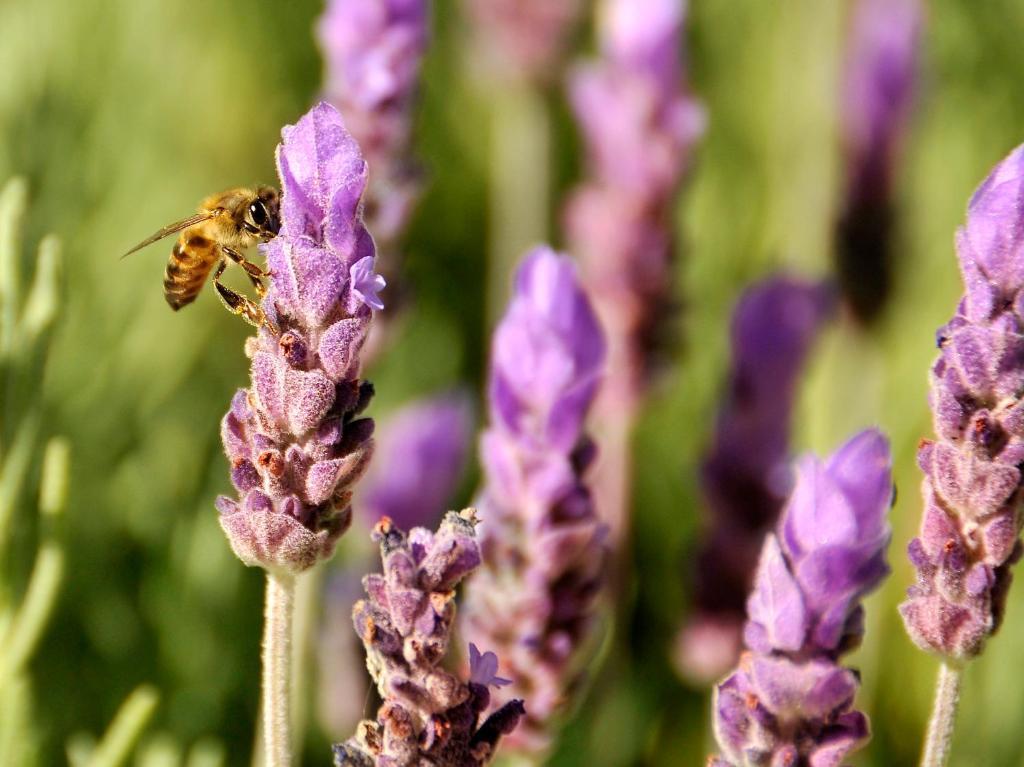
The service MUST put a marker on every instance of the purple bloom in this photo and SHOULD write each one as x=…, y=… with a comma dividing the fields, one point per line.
x=969, y=531
x=373, y=51
x=428, y=715
x=639, y=124
x=746, y=476
x=483, y=668
x=789, y=701
x=523, y=38
x=877, y=96
x=366, y=283
x=543, y=545
x=294, y=439
x=421, y=453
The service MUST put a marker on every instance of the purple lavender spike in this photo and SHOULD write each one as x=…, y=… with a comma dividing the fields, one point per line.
x=544, y=551
x=878, y=93
x=639, y=124
x=746, y=477
x=373, y=50
x=789, y=701
x=420, y=456
x=972, y=517
x=523, y=39
x=294, y=438
x=428, y=715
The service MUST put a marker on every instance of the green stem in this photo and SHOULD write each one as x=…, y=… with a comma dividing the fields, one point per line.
x=940, y=727
x=277, y=637
x=520, y=183
x=129, y=722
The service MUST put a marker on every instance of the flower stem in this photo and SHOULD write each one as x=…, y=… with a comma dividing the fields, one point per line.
x=940, y=727
x=277, y=637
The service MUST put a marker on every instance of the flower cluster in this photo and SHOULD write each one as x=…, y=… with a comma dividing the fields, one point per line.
x=294, y=439
x=972, y=488
x=877, y=97
x=428, y=715
x=745, y=477
x=790, y=702
x=639, y=123
x=373, y=50
x=421, y=453
x=523, y=39
x=542, y=542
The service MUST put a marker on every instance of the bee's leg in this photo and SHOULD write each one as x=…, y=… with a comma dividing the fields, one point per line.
x=237, y=303
x=253, y=271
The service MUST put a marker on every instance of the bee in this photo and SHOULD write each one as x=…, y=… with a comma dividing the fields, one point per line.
x=225, y=225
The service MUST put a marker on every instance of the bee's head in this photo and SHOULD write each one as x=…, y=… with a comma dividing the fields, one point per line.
x=262, y=217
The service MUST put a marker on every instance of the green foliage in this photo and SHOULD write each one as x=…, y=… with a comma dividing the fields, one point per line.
x=122, y=116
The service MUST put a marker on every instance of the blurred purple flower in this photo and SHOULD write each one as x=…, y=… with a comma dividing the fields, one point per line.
x=421, y=454
x=428, y=716
x=523, y=39
x=639, y=124
x=373, y=51
x=543, y=545
x=880, y=80
x=294, y=440
x=972, y=518
x=789, y=702
x=746, y=477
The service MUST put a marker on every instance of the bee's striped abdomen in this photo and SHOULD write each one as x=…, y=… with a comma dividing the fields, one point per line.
x=192, y=258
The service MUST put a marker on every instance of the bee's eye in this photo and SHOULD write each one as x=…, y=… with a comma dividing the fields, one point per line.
x=258, y=214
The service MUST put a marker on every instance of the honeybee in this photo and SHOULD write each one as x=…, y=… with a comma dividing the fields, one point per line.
x=226, y=224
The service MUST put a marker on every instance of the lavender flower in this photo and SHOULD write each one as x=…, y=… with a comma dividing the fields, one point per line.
x=428, y=716
x=746, y=477
x=373, y=51
x=972, y=516
x=421, y=453
x=877, y=97
x=789, y=701
x=294, y=439
x=543, y=546
x=523, y=39
x=639, y=124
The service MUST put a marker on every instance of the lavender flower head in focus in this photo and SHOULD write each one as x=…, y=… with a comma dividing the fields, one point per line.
x=790, y=702
x=428, y=716
x=880, y=80
x=373, y=51
x=421, y=454
x=972, y=516
x=544, y=551
x=746, y=477
x=294, y=438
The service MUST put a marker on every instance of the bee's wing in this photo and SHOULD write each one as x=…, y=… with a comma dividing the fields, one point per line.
x=177, y=226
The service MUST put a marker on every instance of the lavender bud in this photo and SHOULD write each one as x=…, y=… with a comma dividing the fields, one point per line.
x=746, y=476
x=789, y=701
x=877, y=97
x=523, y=39
x=294, y=447
x=972, y=518
x=543, y=545
x=428, y=715
x=373, y=50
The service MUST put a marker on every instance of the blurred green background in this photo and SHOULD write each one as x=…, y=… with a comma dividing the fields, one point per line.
x=121, y=116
